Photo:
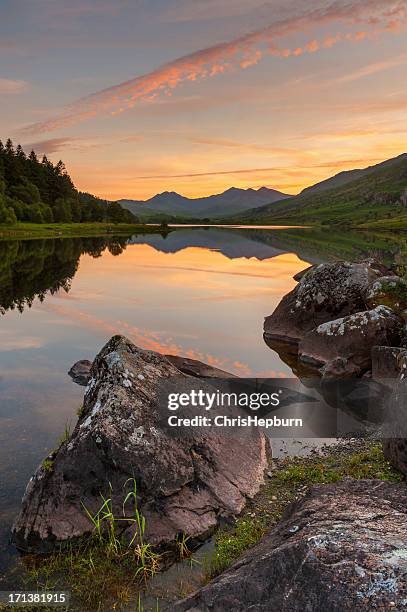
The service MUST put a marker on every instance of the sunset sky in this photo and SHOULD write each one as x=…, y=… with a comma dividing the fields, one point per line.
x=196, y=96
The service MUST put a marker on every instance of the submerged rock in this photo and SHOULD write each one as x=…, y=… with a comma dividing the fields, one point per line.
x=184, y=485
x=324, y=293
x=80, y=372
x=352, y=338
x=342, y=548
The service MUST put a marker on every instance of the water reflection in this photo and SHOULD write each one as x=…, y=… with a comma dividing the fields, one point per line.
x=32, y=268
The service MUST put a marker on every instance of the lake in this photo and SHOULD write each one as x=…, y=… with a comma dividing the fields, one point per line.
x=198, y=292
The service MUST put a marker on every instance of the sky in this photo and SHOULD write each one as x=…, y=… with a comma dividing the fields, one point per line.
x=196, y=96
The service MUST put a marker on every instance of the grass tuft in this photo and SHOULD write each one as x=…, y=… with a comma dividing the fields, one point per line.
x=106, y=567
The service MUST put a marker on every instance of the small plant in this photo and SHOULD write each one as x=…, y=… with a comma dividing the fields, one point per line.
x=66, y=434
x=48, y=465
x=80, y=411
x=182, y=546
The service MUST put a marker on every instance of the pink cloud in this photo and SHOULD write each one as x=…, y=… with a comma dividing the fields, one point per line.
x=241, y=52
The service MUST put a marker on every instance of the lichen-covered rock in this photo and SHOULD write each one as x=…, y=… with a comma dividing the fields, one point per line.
x=342, y=548
x=352, y=337
x=390, y=291
x=325, y=292
x=80, y=372
x=184, y=485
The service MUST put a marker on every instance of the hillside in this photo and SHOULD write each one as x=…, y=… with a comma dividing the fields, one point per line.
x=40, y=192
x=357, y=197
x=230, y=202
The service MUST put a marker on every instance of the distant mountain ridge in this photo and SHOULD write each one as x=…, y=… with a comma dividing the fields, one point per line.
x=343, y=178
x=357, y=197
x=230, y=202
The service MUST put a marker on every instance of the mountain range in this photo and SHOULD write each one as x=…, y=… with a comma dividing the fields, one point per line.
x=372, y=196
x=230, y=202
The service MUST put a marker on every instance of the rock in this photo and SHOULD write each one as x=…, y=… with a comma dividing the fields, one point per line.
x=184, y=484
x=341, y=548
x=326, y=292
x=390, y=291
x=297, y=277
x=192, y=367
x=352, y=337
x=395, y=449
x=340, y=368
x=388, y=363
x=80, y=372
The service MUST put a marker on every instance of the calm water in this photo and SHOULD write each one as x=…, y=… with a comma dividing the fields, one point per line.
x=198, y=292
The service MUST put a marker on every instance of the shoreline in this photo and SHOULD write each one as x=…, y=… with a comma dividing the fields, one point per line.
x=32, y=231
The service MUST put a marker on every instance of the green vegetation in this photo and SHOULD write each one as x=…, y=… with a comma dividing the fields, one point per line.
x=183, y=551
x=73, y=230
x=396, y=290
x=106, y=568
x=66, y=435
x=48, y=464
x=377, y=199
x=41, y=192
x=290, y=479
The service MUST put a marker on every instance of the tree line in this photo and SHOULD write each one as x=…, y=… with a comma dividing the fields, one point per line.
x=39, y=191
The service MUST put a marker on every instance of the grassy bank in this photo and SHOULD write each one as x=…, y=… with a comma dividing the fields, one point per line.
x=28, y=231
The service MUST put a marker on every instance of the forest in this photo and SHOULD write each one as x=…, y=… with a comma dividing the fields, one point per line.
x=38, y=191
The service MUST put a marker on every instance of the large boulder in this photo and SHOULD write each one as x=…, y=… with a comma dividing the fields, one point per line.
x=341, y=548
x=184, y=485
x=325, y=292
x=352, y=337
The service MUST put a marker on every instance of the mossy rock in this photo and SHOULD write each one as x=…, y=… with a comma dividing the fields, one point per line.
x=389, y=291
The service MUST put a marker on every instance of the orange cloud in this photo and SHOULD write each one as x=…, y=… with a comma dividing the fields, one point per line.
x=240, y=52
